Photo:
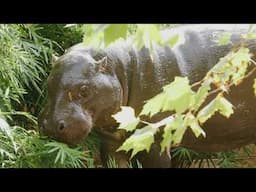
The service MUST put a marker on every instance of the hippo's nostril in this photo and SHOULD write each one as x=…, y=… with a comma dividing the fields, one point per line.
x=61, y=125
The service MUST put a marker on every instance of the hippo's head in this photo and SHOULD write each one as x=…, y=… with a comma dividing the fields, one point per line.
x=82, y=93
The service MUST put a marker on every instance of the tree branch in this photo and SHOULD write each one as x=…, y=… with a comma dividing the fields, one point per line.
x=230, y=85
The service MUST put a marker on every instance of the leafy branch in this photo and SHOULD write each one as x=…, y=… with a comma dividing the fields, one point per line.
x=188, y=107
x=185, y=102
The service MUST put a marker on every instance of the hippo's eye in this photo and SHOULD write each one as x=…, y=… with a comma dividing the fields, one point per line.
x=84, y=92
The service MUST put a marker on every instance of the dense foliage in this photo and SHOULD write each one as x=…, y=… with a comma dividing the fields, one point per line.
x=63, y=36
x=26, y=59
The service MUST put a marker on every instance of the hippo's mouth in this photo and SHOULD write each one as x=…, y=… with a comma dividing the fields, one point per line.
x=71, y=130
x=74, y=135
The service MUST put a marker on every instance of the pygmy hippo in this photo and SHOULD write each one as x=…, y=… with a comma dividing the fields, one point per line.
x=87, y=86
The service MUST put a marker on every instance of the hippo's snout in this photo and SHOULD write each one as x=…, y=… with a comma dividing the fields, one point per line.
x=70, y=128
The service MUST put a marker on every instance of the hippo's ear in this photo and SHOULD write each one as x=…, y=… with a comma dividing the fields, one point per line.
x=103, y=66
x=54, y=59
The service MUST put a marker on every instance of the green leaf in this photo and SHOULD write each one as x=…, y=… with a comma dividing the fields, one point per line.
x=167, y=135
x=114, y=32
x=141, y=140
x=95, y=40
x=7, y=91
x=70, y=25
x=146, y=35
x=232, y=67
x=179, y=95
x=224, y=39
x=254, y=87
x=173, y=40
x=242, y=55
x=153, y=105
x=240, y=60
x=176, y=96
x=138, y=40
x=154, y=33
x=201, y=94
x=167, y=138
x=130, y=126
x=251, y=36
x=126, y=118
x=218, y=104
x=193, y=123
x=239, y=75
x=251, y=32
x=179, y=133
x=208, y=111
x=224, y=106
x=252, y=28
x=197, y=130
x=4, y=126
x=221, y=65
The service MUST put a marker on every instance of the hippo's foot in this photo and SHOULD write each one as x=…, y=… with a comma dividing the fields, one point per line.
x=153, y=158
x=110, y=158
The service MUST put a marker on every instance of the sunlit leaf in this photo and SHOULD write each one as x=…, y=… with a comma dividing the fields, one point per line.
x=179, y=133
x=4, y=126
x=176, y=96
x=225, y=107
x=95, y=40
x=114, y=32
x=179, y=95
x=254, y=87
x=224, y=39
x=251, y=32
x=221, y=66
x=141, y=140
x=252, y=28
x=208, y=111
x=70, y=25
x=201, y=94
x=146, y=35
x=154, y=105
x=173, y=40
x=239, y=75
x=131, y=126
x=168, y=135
x=242, y=55
x=138, y=40
x=126, y=118
x=193, y=123
x=154, y=33
x=218, y=104
x=7, y=91
x=251, y=36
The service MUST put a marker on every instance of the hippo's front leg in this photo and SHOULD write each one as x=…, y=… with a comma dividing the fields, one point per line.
x=110, y=142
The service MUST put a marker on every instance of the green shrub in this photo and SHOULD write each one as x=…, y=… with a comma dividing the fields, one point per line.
x=21, y=148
